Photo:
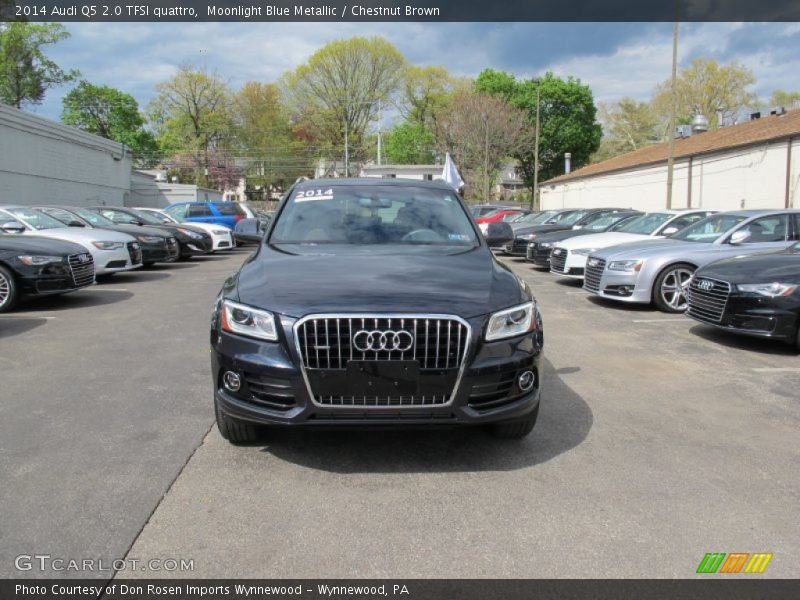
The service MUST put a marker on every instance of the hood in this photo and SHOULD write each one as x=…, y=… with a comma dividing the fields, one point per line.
x=781, y=267
x=207, y=227
x=537, y=229
x=133, y=230
x=557, y=236
x=468, y=284
x=84, y=236
x=603, y=240
x=649, y=247
x=35, y=244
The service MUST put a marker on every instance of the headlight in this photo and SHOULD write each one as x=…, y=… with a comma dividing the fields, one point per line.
x=249, y=321
x=38, y=259
x=584, y=251
x=108, y=245
x=191, y=234
x=511, y=322
x=771, y=290
x=529, y=237
x=544, y=245
x=220, y=231
x=149, y=239
x=630, y=266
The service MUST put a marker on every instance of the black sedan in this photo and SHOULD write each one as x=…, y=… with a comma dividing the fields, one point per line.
x=756, y=295
x=32, y=265
x=156, y=244
x=375, y=302
x=539, y=250
x=191, y=240
x=561, y=221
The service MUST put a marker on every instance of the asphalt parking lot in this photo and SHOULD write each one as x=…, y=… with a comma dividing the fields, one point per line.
x=659, y=440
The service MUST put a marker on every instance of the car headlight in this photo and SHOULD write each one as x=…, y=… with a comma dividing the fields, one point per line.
x=511, y=322
x=544, y=245
x=630, y=266
x=584, y=251
x=249, y=321
x=108, y=245
x=530, y=237
x=771, y=290
x=149, y=239
x=191, y=234
x=220, y=231
x=38, y=259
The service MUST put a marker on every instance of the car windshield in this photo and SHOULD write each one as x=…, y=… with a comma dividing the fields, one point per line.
x=622, y=222
x=602, y=221
x=536, y=218
x=92, y=217
x=162, y=217
x=571, y=218
x=147, y=218
x=709, y=229
x=36, y=219
x=646, y=223
x=374, y=215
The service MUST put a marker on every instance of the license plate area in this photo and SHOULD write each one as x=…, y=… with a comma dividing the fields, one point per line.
x=382, y=378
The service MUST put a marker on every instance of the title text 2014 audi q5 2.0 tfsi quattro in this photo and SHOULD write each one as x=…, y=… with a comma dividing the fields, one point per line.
x=375, y=303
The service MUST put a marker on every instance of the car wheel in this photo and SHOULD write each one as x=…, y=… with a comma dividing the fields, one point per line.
x=515, y=428
x=9, y=294
x=236, y=431
x=669, y=291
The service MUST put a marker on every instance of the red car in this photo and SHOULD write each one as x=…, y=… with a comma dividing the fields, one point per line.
x=501, y=214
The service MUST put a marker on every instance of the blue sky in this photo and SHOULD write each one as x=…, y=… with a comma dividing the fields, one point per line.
x=615, y=59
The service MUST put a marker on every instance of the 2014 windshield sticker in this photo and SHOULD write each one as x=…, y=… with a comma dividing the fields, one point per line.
x=318, y=194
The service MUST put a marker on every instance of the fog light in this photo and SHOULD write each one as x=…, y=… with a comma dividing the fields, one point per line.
x=231, y=381
x=526, y=381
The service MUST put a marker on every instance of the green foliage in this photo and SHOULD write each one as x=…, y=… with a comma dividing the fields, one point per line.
x=26, y=73
x=567, y=119
x=409, y=143
x=784, y=99
x=112, y=114
x=628, y=125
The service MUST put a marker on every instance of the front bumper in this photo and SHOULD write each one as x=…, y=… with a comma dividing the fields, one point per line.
x=222, y=242
x=622, y=287
x=193, y=247
x=519, y=247
x=538, y=255
x=763, y=317
x=116, y=261
x=487, y=392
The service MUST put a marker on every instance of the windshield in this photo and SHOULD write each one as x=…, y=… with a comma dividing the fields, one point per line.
x=162, y=217
x=536, y=218
x=571, y=218
x=709, y=229
x=148, y=219
x=36, y=219
x=603, y=221
x=93, y=218
x=374, y=215
x=646, y=224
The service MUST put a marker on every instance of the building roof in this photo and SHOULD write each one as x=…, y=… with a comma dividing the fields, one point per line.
x=765, y=129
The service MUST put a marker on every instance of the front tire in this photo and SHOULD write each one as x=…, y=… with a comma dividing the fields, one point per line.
x=515, y=428
x=235, y=431
x=9, y=292
x=671, y=285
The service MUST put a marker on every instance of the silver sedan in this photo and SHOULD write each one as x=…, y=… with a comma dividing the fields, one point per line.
x=659, y=271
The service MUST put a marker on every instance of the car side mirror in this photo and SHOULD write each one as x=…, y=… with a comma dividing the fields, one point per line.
x=75, y=224
x=498, y=234
x=670, y=231
x=12, y=227
x=739, y=237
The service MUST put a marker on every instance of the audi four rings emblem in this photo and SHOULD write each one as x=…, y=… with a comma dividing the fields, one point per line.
x=705, y=284
x=376, y=340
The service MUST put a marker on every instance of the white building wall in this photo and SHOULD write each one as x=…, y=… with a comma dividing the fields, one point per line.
x=752, y=177
x=45, y=162
x=146, y=192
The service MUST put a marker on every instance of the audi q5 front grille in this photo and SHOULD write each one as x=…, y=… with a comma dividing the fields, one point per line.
x=82, y=268
x=708, y=298
x=330, y=342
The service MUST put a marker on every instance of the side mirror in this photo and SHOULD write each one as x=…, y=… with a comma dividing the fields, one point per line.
x=75, y=224
x=670, y=231
x=12, y=227
x=739, y=237
x=498, y=234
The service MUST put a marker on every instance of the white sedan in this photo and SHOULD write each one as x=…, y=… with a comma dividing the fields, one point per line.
x=112, y=251
x=221, y=235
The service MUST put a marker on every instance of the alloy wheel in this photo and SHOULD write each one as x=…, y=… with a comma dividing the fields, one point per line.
x=5, y=290
x=674, y=288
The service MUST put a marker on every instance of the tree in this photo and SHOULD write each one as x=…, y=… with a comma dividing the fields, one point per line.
x=26, y=73
x=628, y=126
x=708, y=88
x=337, y=92
x=112, y=114
x=410, y=143
x=192, y=116
x=567, y=119
x=482, y=131
x=784, y=99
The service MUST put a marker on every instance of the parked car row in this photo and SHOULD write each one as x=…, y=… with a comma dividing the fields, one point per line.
x=736, y=270
x=51, y=249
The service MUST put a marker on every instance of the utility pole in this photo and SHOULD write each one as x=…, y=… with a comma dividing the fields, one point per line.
x=486, y=156
x=672, y=109
x=380, y=122
x=346, y=149
x=535, y=198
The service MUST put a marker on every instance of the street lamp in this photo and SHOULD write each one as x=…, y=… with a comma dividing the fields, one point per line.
x=535, y=198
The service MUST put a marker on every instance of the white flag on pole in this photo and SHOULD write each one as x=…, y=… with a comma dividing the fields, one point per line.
x=450, y=174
